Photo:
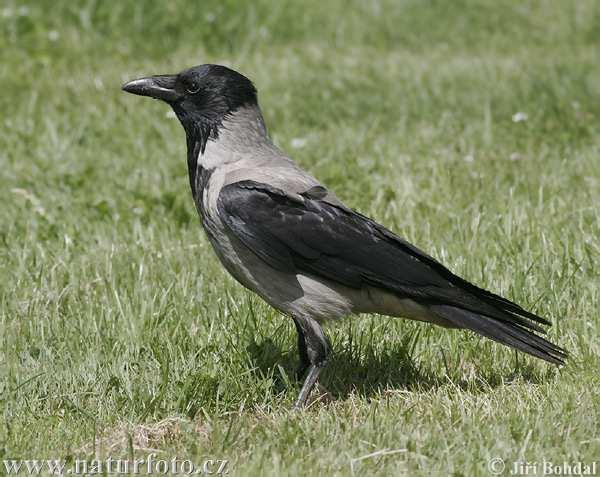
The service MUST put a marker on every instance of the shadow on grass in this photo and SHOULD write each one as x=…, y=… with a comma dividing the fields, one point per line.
x=395, y=368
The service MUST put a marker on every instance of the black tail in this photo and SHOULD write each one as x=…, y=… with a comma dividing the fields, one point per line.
x=515, y=334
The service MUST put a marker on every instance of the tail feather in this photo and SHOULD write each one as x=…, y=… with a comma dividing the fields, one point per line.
x=510, y=334
x=502, y=309
x=503, y=303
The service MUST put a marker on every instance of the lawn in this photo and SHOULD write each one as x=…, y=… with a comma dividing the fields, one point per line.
x=471, y=128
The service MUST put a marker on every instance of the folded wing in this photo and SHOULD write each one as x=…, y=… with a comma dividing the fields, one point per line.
x=305, y=233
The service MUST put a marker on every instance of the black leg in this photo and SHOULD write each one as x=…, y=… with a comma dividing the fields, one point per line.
x=314, y=349
x=304, y=362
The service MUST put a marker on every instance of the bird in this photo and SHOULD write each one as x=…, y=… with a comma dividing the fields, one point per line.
x=286, y=237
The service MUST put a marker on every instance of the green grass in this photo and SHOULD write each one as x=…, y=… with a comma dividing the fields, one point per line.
x=116, y=318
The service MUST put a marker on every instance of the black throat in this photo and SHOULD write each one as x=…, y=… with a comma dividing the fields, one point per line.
x=195, y=147
x=199, y=129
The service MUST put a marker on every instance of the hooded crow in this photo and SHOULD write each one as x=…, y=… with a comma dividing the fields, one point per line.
x=282, y=234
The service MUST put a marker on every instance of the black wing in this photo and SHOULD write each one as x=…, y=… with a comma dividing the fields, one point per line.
x=305, y=233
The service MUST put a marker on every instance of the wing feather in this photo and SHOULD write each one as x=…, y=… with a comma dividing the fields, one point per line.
x=304, y=233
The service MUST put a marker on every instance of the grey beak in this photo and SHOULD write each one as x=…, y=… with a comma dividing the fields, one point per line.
x=158, y=87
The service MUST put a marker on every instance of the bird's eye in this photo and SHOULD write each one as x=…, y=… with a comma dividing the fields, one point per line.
x=193, y=87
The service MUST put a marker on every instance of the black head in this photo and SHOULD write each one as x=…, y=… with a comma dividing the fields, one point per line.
x=201, y=96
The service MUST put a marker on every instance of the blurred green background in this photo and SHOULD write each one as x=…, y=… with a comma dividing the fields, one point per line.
x=468, y=127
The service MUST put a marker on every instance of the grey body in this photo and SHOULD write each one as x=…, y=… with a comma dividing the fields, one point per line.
x=243, y=151
x=283, y=235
